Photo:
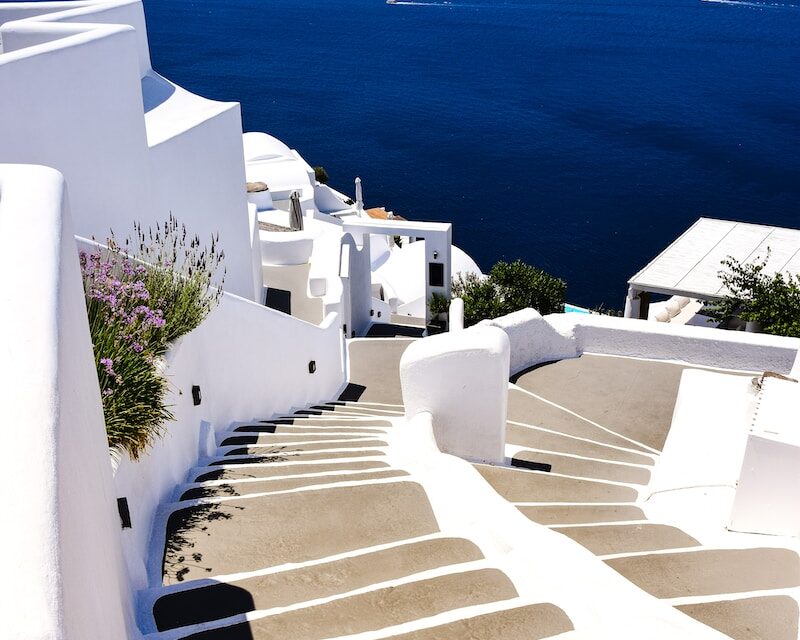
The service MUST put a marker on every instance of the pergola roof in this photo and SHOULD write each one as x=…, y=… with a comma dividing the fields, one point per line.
x=690, y=265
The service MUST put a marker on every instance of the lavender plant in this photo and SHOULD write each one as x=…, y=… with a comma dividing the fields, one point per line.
x=141, y=296
x=185, y=278
x=124, y=330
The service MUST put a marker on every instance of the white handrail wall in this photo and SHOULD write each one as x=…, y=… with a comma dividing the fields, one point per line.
x=60, y=551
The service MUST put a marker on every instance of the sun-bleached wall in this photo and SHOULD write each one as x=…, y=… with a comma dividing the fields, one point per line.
x=60, y=549
x=125, y=12
x=536, y=339
x=75, y=104
x=460, y=379
x=198, y=175
x=72, y=83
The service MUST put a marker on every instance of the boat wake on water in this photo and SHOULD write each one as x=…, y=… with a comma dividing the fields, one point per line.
x=757, y=5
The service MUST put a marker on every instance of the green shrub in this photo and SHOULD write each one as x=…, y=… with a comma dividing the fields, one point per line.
x=321, y=175
x=507, y=288
x=438, y=303
x=771, y=300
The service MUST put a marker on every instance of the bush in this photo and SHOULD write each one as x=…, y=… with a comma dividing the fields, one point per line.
x=509, y=287
x=772, y=301
x=136, y=311
x=438, y=303
x=320, y=175
x=181, y=275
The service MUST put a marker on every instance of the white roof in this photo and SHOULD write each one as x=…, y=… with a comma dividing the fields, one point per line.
x=690, y=266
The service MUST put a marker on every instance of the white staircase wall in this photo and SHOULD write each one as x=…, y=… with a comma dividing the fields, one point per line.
x=60, y=552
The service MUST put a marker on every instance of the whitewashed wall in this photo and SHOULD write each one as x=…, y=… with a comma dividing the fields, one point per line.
x=72, y=89
x=536, y=339
x=125, y=12
x=460, y=379
x=198, y=175
x=250, y=362
x=60, y=552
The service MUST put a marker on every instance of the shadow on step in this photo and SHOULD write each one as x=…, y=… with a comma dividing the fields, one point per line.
x=352, y=392
x=216, y=601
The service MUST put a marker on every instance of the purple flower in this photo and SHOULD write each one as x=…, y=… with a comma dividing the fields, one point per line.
x=108, y=363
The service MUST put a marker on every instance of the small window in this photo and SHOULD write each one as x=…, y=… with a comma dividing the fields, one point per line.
x=435, y=274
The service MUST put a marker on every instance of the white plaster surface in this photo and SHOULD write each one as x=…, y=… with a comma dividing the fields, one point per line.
x=250, y=362
x=767, y=494
x=124, y=160
x=460, y=378
x=708, y=434
x=533, y=339
x=60, y=552
x=536, y=339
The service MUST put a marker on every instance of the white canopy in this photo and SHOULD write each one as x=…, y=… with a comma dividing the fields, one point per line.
x=690, y=266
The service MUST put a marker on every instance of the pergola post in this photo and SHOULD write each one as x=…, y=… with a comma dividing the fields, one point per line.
x=637, y=304
x=632, y=303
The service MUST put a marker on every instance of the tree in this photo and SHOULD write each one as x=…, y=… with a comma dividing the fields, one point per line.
x=773, y=301
x=509, y=287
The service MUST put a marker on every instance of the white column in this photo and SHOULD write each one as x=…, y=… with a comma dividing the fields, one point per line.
x=632, y=303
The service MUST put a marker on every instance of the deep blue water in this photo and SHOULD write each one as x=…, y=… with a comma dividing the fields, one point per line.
x=582, y=136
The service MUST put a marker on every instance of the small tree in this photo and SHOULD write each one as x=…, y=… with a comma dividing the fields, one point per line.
x=771, y=300
x=509, y=287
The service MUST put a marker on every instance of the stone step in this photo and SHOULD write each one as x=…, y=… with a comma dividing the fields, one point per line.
x=607, y=539
x=524, y=408
x=246, y=534
x=529, y=622
x=581, y=513
x=375, y=609
x=295, y=456
x=375, y=370
x=581, y=467
x=302, y=447
x=273, y=426
x=293, y=429
x=330, y=418
x=635, y=398
x=319, y=580
x=760, y=618
x=279, y=470
x=534, y=486
x=709, y=572
x=543, y=440
x=282, y=484
x=356, y=407
x=292, y=438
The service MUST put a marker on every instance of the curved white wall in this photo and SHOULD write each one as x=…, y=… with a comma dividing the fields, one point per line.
x=60, y=552
x=73, y=100
x=250, y=363
x=460, y=379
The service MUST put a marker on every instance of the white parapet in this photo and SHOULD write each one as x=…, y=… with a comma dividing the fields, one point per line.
x=461, y=380
x=534, y=339
x=767, y=493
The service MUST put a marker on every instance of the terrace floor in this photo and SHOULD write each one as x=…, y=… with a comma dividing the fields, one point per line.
x=584, y=437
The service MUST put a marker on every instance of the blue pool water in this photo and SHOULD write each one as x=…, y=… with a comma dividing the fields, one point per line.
x=580, y=135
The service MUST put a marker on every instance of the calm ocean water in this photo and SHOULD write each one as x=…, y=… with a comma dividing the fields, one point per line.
x=582, y=136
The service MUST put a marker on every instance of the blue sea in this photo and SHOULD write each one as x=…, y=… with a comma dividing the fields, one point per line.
x=582, y=136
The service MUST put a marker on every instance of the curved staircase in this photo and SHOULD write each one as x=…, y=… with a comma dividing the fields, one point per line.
x=581, y=463
x=306, y=526
x=300, y=528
